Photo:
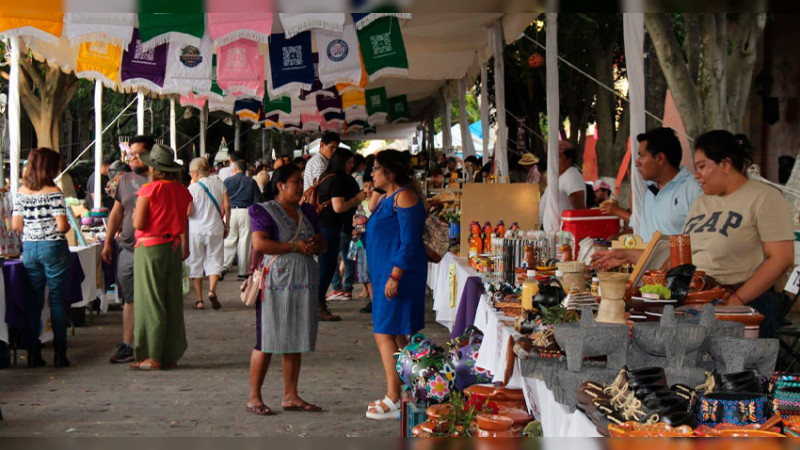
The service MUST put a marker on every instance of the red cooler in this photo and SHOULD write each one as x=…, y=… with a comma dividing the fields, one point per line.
x=589, y=223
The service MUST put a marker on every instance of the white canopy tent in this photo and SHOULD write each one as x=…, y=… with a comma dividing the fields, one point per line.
x=456, y=141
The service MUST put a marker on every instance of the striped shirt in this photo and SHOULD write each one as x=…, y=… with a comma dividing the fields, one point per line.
x=39, y=213
x=314, y=168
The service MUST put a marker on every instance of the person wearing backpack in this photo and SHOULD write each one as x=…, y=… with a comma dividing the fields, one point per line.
x=339, y=197
x=209, y=224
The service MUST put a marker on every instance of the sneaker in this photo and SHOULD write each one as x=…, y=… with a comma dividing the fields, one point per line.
x=326, y=316
x=339, y=295
x=124, y=354
x=366, y=309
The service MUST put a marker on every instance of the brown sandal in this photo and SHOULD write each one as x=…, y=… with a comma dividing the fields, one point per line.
x=260, y=410
x=199, y=305
x=212, y=297
x=145, y=364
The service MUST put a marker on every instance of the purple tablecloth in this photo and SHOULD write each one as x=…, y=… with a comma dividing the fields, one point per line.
x=465, y=316
x=14, y=276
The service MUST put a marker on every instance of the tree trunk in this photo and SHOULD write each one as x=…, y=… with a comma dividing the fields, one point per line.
x=45, y=93
x=604, y=109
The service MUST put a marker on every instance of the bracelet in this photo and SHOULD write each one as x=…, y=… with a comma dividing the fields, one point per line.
x=739, y=297
x=394, y=277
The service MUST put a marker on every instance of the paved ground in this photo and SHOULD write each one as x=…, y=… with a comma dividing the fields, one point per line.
x=207, y=394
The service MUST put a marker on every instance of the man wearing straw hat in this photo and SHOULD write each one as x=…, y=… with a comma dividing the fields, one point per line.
x=530, y=161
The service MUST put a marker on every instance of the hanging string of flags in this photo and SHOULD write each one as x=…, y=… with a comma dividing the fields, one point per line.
x=233, y=62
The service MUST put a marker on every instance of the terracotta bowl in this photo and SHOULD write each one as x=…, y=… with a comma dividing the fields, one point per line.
x=702, y=297
x=747, y=433
x=636, y=429
x=494, y=422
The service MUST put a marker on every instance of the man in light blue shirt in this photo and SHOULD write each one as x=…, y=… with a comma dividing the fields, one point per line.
x=671, y=190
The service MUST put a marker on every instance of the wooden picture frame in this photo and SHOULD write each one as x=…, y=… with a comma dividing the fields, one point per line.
x=654, y=257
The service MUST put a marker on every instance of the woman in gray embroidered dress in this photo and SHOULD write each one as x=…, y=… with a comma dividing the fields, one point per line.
x=286, y=314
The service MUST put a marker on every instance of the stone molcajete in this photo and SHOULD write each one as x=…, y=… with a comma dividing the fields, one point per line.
x=669, y=338
x=736, y=355
x=587, y=338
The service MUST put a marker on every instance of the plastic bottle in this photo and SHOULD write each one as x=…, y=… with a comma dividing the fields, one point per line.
x=475, y=247
x=487, y=242
x=530, y=287
x=500, y=229
x=595, y=289
x=487, y=228
x=560, y=278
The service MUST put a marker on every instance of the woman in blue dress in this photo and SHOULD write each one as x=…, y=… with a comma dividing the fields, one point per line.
x=398, y=268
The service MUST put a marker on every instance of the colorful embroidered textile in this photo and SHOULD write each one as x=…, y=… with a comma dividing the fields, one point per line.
x=46, y=25
x=241, y=68
x=192, y=99
x=304, y=106
x=189, y=68
x=291, y=64
x=248, y=109
x=217, y=102
x=363, y=19
x=383, y=49
x=294, y=24
x=356, y=113
x=144, y=68
x=377, y=101
x=329, y=104
x=100, y=60
x=180, y=21
x=116, y=28
x=339, y=57
x=334, y=118
x=242, y=19
x=345, y=87
x=398, y=108
x=273, y=105
x=354, y=98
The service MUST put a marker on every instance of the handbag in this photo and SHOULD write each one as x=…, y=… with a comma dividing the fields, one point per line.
x=211, y=197
x=252, y=285
x=435, y=234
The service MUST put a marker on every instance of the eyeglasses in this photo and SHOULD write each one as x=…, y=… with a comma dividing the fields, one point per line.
x=376, y=168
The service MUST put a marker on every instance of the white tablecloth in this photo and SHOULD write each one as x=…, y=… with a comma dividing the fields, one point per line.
x=439, y=282
x=557, y=420
x=3, y=326
x=89, y=257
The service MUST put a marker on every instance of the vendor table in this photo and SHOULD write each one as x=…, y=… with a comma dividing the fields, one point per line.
x=458, y=303
x=82, y=286
x=448, y=281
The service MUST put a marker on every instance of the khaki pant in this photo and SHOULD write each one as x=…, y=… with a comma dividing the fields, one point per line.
x=238, y=241
x=159, y=330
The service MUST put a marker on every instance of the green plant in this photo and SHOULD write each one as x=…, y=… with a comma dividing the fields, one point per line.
x=464, y=414
x=451, y=216
x=662, y=291
x=558, y=314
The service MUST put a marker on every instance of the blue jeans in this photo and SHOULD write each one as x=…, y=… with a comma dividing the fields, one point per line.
x=46, y=262
x=328, y=260
x=349, y=266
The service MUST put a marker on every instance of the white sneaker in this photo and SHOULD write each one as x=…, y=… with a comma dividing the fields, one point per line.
x=335, y=295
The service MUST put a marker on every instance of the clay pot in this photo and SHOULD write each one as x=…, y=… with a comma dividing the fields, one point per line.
x=698, y=282
x=655, y=277
x=680, y=250
x=502, y=397
x=494, y=425
x=613, y=285
x=439, y=413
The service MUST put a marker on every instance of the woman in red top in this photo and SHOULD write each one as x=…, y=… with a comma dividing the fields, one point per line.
x=161, y=244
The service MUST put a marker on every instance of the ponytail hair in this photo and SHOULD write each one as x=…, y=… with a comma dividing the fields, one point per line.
x=399, y=164
x=719, y=145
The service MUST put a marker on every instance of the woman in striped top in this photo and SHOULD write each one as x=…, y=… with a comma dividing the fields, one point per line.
x=40, y=215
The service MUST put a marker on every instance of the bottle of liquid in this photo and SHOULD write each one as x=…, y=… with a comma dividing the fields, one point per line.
x=487, y=229
x=500, y=229
x=560, y=278
x=475, y=247
x=487, y=242
x=595, y=289
x=530, y=287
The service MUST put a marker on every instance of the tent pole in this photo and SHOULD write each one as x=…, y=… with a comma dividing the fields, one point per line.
x=14, y=116
x=203, y=129
x=447, y=121
x=173, y=134
x=484, y=108
x=552, y=212
x=238, y=131
x=500, y=145
x=467, y=147
x=98, y=143
x=633, y=31
x=140, y=113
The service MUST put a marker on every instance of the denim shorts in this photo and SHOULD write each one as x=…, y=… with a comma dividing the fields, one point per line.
x=361, y=266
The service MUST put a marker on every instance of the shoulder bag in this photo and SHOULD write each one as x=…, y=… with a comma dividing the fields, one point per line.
x=211, y=197
x=253, y=284
x=435, y=235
